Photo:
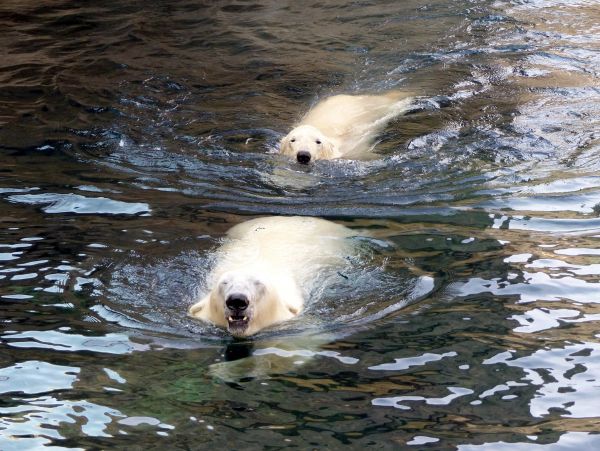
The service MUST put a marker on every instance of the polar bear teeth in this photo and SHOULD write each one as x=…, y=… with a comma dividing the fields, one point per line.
x=245, y=318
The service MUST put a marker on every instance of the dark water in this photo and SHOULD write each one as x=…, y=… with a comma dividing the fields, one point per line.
x=134, y=134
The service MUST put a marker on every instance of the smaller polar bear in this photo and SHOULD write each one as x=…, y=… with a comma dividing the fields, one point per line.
x=264, y=267
x=343, y=126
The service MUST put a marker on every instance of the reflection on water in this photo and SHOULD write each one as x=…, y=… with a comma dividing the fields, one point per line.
x=73, y=203
x=133, y=136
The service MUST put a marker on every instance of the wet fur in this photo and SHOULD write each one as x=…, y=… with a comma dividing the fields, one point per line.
x=344, y=126
x=271, y=260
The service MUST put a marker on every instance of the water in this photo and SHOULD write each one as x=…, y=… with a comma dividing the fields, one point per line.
x=133, y=135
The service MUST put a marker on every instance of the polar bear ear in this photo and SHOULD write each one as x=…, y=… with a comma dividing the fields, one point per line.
x=284, y=145
x=196, y=310
x=293, y=303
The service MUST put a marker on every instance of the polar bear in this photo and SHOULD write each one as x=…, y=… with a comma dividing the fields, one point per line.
x=343, y=126
x=264, y=267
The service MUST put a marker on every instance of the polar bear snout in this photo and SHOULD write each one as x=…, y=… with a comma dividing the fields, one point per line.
x=303, y=157
x=237, y=302
x=237, y=313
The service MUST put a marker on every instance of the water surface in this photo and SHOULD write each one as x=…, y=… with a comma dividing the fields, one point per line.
x=133, y=135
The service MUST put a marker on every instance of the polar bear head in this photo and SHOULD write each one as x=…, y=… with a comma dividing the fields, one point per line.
x=242, y=297
x=245, y=303
x=306, y=143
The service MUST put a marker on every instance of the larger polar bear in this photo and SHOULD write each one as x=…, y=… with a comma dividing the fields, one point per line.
x=264, y=265
x=343, y=126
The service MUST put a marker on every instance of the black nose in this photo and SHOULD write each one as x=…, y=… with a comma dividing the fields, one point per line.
x=237, y=302
x=303, y=157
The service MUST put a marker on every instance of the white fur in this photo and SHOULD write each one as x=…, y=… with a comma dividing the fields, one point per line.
x=344, y=126
x=270, y=260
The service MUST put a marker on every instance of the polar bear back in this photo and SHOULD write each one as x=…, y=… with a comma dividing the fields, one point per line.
x=356, y=119
x=297, y=245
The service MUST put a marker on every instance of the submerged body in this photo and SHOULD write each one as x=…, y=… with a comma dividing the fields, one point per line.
x=343, y=126
x=262, y=268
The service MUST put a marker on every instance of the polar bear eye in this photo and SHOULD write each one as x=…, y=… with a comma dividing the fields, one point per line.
x=259, y=286
x=293, y=140
x=318, y=141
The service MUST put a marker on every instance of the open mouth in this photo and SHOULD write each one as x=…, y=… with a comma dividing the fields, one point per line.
x=237, y=312
x=237, y=322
